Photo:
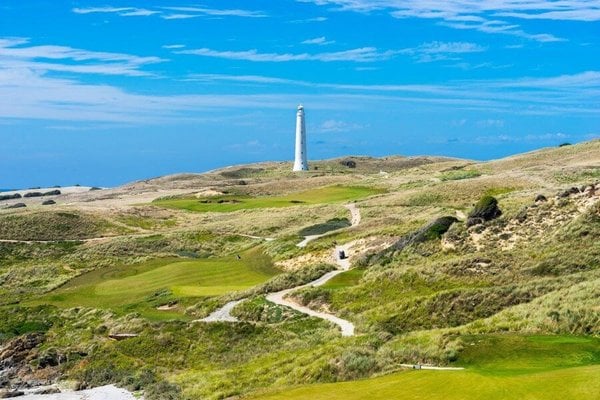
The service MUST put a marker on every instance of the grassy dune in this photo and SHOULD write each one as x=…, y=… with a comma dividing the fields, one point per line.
x=228, y=203
x=139, y=287
x=497, y=367
x=570, y=383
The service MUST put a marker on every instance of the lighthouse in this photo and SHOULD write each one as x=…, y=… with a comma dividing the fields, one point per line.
x=300, y=163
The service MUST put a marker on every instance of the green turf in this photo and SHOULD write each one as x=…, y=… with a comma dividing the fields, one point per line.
x=568, y=383
x=136, y=288
x=345, y=279
x=228, y=203
x=497, y=367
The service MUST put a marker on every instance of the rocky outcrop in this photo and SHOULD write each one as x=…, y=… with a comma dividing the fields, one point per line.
x=22, y=365
x=486, y=209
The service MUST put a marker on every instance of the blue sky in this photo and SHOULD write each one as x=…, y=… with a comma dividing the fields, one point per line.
x=102, y=93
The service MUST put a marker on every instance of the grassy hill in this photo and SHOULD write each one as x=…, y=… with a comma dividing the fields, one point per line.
x=506, y=287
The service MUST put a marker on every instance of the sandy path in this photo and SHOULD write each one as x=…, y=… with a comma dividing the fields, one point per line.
x=109, y=392
x=347, y=327
x=354, y=221
x=223, y=314
x=431, y=367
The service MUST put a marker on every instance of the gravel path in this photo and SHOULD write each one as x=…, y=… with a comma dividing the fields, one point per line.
x=347, y=327
x=109, y=392
x=223, y=314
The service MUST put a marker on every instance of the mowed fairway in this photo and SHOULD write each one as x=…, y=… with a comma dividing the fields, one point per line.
x=497, y=367
x=131, y=288
x=228, y=203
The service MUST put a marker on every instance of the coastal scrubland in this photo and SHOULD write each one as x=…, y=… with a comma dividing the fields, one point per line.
x=440, y=275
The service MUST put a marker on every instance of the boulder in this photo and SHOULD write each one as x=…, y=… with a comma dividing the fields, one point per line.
x=7, y=394
x=486, y=209
x=17, y=205
x=348, y=163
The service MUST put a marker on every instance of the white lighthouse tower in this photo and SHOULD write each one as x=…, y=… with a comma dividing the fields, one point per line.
x=300, y=163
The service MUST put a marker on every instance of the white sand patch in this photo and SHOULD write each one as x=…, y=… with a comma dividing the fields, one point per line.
x=109, y=392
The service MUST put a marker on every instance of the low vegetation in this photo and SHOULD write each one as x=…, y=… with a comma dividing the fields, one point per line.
x=512, y=298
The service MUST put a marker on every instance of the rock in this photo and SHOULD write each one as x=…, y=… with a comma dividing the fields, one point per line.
x=10, y=196
x=48, y=202
x=50, y=390
x=17, y=205
x=348, y=163
x=486, y=209
x=540, y=198
x=472, y=221
x=7, y=394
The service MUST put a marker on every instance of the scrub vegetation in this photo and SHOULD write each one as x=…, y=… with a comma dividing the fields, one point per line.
x=492, y=267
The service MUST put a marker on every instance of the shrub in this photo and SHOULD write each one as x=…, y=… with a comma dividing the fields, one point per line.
x=486, y=209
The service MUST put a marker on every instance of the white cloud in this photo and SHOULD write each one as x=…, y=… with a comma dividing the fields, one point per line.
x=173, y=46
x=319, y=40
x=92, y=10
x=309, y=20
x=15, y=54
x=332, y=125
x=488, y=16
x=122, y=11
x=173, y=12
x=439, y=51
x=219, y=12
x=179, y=16
x=363, y=54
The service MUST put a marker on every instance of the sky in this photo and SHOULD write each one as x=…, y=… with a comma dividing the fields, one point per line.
x=103, y=93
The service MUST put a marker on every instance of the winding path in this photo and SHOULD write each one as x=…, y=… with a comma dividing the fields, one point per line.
x=347, y=327
x=223, y=314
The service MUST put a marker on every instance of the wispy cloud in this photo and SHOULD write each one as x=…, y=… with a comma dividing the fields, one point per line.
x=122, y=11
x=219, y=12
x=171, y=12
x=309, y=20
x=438, y=51
x=173, y=46
x=363, y=54
x=319, y=40
x=490, y=16
x=14, y=53
x=332, y=125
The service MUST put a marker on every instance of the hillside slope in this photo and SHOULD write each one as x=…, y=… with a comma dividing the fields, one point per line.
x=452, y=260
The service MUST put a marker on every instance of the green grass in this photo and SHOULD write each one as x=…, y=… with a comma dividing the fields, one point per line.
x=141, y=287
x=497, y=367
x=345, y=279
x=458, y=175
x=569, y=383
x=228, y=203
x=504, y=355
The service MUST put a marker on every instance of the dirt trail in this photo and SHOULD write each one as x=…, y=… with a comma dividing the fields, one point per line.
x=223, y=314
x=347, y=327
